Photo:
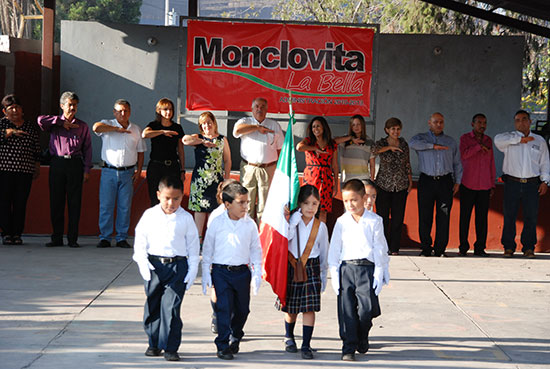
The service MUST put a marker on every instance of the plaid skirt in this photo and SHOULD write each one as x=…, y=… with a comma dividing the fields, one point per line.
x=303, y=297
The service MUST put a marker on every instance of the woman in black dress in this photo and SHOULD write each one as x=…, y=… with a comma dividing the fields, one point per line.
x=167, y=155
x=19, y=165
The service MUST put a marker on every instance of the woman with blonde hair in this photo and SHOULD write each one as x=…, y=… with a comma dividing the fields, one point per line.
x=212, y=165
x=167, y=155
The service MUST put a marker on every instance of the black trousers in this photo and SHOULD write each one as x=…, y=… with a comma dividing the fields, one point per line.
x=357, y=305
x=468, y=199
x=155, y=172
x=391, y=207
x=233, y=305
x=15, y=188
x=438, y=192
x=161, y=316
x=66, y=177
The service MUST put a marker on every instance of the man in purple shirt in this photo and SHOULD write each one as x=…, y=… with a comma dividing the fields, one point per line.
x=478, y=183
x=71, y=151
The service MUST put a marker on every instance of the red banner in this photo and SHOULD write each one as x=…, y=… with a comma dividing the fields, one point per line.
x=328, y=69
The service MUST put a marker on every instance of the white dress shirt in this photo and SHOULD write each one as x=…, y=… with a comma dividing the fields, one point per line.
x=320, y=246
x=259, y=148
x=229, y=242
x=358, y=240
x=167, y=235
x=120, y=149
x=214, y=214
x=525, y=160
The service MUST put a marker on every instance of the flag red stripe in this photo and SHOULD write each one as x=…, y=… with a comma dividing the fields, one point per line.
x=275, y=252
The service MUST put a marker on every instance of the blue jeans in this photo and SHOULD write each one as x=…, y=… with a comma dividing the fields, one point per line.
x=115, y=186
x=526, y=194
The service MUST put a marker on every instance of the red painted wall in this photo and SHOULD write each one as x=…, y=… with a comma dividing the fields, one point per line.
x=38, y=218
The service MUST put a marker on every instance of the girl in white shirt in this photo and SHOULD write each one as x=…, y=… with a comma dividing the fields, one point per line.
x=307, y=244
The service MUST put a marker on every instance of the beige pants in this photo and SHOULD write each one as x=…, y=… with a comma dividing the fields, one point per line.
x=257, y=181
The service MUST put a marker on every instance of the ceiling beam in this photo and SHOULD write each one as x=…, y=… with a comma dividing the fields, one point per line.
x=533, y=9
x=492, y=17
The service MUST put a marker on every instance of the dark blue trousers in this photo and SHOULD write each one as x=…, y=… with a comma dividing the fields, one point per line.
x=165, y=290
x=357, y=305
x=526, y=195
x=233, y=305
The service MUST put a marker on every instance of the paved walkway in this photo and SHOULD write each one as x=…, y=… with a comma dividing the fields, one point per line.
x=82, y=308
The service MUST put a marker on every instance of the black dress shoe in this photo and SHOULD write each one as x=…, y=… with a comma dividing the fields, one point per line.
x=234, y=347
x=171, y=356
x=103, y=244
x=290, y=346
x=225, y=354
x=74, y=245
x=363, y=346
x=481, y=253
x=16, y=240
x=123, y=244
x=348, y=357
x=442, y=255
x=463, y=253
x=7, y=240
x=307, y=353
x=153, y=351
x=426, y=253
x=54, y=244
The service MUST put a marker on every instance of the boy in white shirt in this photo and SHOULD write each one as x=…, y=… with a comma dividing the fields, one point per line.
x=230, y=246
x=166, y=250
x=358, y=260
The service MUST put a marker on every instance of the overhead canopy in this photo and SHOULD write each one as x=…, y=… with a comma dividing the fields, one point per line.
x=489, y=10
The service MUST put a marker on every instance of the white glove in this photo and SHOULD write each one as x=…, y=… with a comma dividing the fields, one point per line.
x=335, y=279
x=190, y=277
x=145, y=268
x=295, y=218
x=323, y=281
x=206, y=280
x=386, y=277
x=255, y=284
x=378, y=280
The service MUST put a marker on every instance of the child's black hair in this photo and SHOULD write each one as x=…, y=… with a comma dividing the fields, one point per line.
x=354, y=185
x=232, y=190
x=171, y=182
x=306, y=191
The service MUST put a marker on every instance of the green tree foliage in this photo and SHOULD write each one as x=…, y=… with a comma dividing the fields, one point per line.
x=414, y=16
x=118, y=11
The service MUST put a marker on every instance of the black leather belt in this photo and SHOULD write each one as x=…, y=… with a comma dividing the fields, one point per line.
x=167, y=260
x=437, y=178
x=522, y=180
x=231, y=268
x=358, y=262
x=118, y=168
x=168, y=163
x=68, y=156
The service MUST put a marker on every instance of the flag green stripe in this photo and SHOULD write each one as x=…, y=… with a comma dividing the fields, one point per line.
x=287, y=164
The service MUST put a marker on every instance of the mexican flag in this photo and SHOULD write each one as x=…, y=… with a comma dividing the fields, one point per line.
x=274, y=227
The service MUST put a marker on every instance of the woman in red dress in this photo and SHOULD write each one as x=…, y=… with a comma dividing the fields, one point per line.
x=321, y=162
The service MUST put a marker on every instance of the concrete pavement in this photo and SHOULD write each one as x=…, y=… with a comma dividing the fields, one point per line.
x=82, y=308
